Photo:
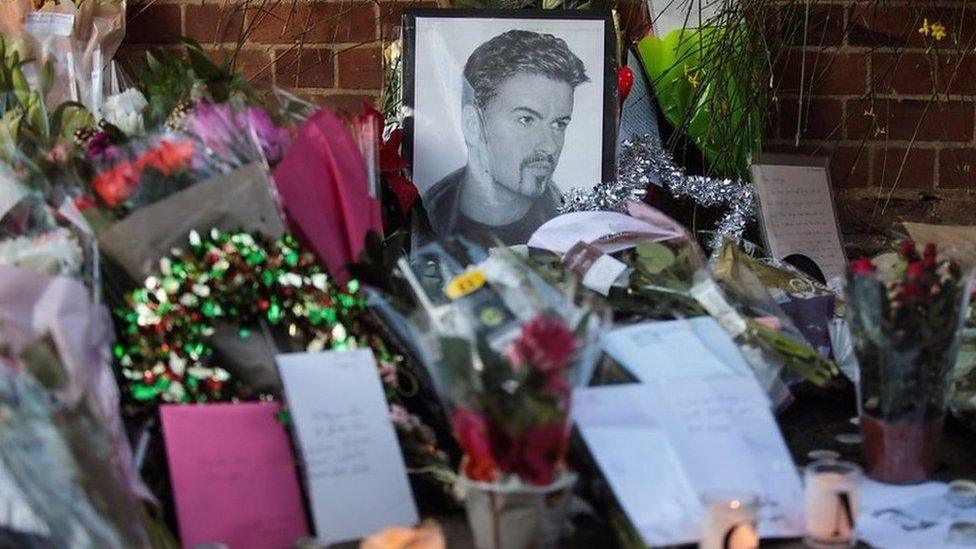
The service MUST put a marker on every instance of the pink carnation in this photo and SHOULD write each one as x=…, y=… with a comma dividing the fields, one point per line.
x=545, y=343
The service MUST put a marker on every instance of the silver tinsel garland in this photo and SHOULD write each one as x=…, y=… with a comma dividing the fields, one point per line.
x=642, y=156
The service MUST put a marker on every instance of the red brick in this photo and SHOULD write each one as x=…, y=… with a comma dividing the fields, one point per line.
x=823, y=73
x=821, y=118
x=891, y=167
x=313, y=23
x=957, y=168
x=253, y=64
x=391, y=14
x=826, y=24
x=361, y=68
x=940, y=120
x=850, y=167
x=304, y=68
x=352, y=103
x=153, y=24
x=214, y=24
x=884, y=24
x=923, y=73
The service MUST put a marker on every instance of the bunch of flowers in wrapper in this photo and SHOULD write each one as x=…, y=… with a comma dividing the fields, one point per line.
x=505, y=350
x=661, y=275
x=905, y=321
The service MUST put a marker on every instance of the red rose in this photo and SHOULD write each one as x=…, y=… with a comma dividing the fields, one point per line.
x=862, y=267
x=545, y=343
x=907, y=249
x=908, y=293
x=930, y=251
x=928, y=262
x=914, y=271
x=542, y=449
x=472, y=435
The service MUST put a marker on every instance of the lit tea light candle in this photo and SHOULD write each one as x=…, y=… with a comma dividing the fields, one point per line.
x=729, y=522
x=832, y=502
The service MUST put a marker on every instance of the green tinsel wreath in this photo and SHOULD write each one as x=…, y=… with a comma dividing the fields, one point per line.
x=163, y=347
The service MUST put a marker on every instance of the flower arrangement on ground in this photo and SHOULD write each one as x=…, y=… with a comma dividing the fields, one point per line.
x=905, y=321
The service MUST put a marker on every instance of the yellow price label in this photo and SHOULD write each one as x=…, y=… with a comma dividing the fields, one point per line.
x=464, y=284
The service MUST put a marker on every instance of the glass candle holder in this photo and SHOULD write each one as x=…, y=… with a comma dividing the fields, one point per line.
x=833, y=497
x=730, y=521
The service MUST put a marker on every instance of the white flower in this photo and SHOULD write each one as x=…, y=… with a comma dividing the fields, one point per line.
x=124, y=111
x=51, y=253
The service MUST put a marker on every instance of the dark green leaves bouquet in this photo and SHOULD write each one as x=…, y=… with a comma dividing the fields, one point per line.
x=905, y=327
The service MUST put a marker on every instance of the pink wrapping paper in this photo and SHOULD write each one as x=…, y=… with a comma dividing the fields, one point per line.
x=323, y=189
x=32, y=305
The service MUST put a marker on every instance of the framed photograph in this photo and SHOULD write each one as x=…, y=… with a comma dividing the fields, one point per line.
x=505, y=111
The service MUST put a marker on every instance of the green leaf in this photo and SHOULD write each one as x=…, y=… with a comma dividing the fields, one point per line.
x=654, y=256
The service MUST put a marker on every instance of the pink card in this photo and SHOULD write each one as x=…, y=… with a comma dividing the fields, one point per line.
x=233, y=476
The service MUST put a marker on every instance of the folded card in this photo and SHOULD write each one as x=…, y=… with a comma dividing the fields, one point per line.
x=234, y=479
x=662, y=445
x=357, y=481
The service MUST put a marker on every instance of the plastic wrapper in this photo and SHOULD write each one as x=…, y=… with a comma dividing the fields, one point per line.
x=49, y=241
x=32, y=306
x=77, y=40
x=963, y=400
x=504, y=349
x=61, y=463
x=660, y=274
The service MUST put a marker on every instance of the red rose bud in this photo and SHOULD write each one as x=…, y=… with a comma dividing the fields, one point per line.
x=928, y=262
x=862, y=267
x=908, y=293
x=907, y=249
x=930, y=251
x=915, y=270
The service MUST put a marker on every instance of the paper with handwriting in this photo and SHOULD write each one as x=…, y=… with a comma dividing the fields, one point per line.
x=357, y=481
x=700, y=406
x=798, y=214
x=234, y=478
x=675, y=349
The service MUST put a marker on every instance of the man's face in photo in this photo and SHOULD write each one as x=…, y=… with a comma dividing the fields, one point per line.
x=524, y=130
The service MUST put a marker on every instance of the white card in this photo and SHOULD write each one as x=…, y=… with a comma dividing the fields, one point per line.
x=639, y=464
x=676, y=349
x=356, y=477
x=709, y=434
x=798, y=214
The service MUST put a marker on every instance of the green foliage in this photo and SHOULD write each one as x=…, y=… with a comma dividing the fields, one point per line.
x=168, y=79
x=705, y=95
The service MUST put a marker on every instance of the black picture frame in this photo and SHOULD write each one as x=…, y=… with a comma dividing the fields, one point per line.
x=609, y=73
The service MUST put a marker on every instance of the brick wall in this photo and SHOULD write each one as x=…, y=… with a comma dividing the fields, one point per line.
x=327, y=51
x=894, y=109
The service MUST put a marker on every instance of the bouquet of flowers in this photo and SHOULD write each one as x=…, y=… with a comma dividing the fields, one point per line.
x=505, y=350
x=660, y=274
x=905, y=320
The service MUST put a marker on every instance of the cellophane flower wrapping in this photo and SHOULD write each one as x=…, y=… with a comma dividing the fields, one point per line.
x=505, y=350
x=905, y=317
x=35, y=236
x=963, y=401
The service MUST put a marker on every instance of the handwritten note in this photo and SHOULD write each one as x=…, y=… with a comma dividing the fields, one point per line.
x=356, y=477
x=798, y=214
x=709, y=434
x=235, y=458
x=675, y=349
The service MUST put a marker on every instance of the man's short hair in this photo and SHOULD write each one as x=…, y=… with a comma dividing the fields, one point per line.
x=514, y=52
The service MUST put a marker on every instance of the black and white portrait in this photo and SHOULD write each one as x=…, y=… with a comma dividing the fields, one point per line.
x=507, y=114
